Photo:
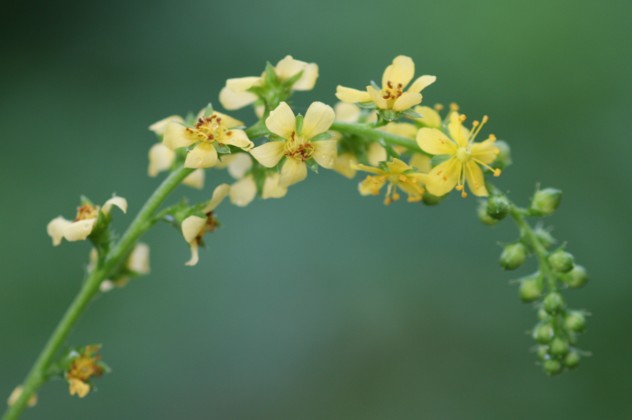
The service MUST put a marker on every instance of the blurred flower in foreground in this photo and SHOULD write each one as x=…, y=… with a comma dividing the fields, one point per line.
x=16, y=393
x=399, y=175
x=137, y=264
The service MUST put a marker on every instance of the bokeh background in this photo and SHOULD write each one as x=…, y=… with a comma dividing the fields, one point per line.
x=324, y=304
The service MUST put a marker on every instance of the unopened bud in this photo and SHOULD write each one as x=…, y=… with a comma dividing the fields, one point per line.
x=543, y=333
x=559, y=347
x=531, y=288
x=497, y=207
x=577, y=277
x=545, y=201
x=543, y=353
x=561, y=261
x=544, y=236
x=552, y=367
x=553, y=303
x=575, y=321
x=483, y=216
x=513, y=256
x=572, y=360
x=431, y=200
x=503, y=159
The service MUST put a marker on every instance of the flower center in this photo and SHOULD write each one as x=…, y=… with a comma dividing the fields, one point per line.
x=392, y=90
x=210, y=129
x=463, y=154
x=86, y=212
x=298, y=148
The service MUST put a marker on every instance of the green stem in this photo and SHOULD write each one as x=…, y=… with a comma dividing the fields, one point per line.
x=37, y=375
x=368, y=131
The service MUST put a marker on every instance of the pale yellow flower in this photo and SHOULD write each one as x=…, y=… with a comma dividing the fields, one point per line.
x=78, y=387
x=235, y=94
x=430, y=117
x=137, y=263
x=463, y=157
x=17, y=393
x=398, y=175
x=194, y=227
x=84, y=223
x=297, y=146
x=83, y=367
x=208, y=131
x=392, y=94
x=161, y=158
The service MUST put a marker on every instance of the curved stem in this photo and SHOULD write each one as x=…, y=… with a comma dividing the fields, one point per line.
x=369, y=131
x=116, y=257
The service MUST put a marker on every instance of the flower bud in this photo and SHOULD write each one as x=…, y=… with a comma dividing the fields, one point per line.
x=531, y=288
x=561, y=261
x=572, y=359
x=431, y=200
x=575, y=321
x=552, y=367
x=553, y=303
x=544, y=236
x=483, y=216
x=559, y=347
x=543, y=333
x=545, y=201
x=513, y=256
x=497, y=207
x=503, y=159
x=577, y=277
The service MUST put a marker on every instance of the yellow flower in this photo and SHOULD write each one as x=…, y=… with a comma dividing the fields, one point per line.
x=392, y=94
x=463, y=157
x=194, y=227
x=137, y=263
x=208, y=131
x=161, y=158
x=399, y=175
x=297, y=145
x=430, y=117
x=84, y=223
x=16, y=393
x=83, y=367
x=235, y=94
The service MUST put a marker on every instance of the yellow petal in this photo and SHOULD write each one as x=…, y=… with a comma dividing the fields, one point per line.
x=307, y=81
x=56, y=229
x=293, y=171
x=458, y=133
x=232, y=100
x=203, y=155
x=288, y=67
x=346, y=112
x=366, y=168
x=376, y=154
x=226, y=120
x=401, y=71
x=243, y=191
x=407, y=100
x=238, y=138
x=318, y=118
x=376, y=97
x=176, y=136
x=350, y=95
x=160, y=159
x=192, y=227
x=282, y=121
x=486, y=152
x=443, y=178
x=138, y=261
x=371, y=185
x=195, y=254
x=268, y=154
x=219, y=193
x=325, y=152
x=344, y=165
x=397, y=166
x=242, y=84
x=400, y=129
x=238, y=164
x=435, y=142
x=78, y=387
x=272, y=187
x=79, y=230
x=195, y=179
x=159, y=126
x=475, y=179
x=429, y=117
x=421, y=83
x=421, y=162
x=117, y=201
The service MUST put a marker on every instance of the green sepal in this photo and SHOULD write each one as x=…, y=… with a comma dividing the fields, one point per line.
x=312, y=165
x=321, y=136
x=222, y=148
x=270, y=75
x=411, y=114
x=208, y=111
x=299, y=124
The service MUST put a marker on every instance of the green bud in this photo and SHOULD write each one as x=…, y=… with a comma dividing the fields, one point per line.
x=431, y=200
x=575, y=321
x=543, y=333
x=552, y=367
x=543, y=315
x=577, y=277
x=543, y=352
x=531, y=288
x=545, y=201
x=553, y=303
x=572, y=359
x=561, y=261
x=544, y=236
x=513, y=256
x=504, y=157
x=559, y=347
x=497, y=207
x=483, y=216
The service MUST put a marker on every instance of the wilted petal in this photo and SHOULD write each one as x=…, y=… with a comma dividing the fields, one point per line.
x=117, y=201
x=192, y=227
x=79, y=230
x=56, y=229
x=195, y=254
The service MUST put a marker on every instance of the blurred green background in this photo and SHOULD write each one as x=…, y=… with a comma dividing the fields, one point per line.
x=324, y=304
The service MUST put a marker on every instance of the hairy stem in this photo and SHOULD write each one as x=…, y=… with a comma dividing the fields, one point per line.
x=118, y=253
